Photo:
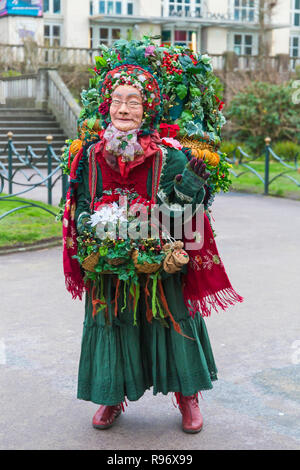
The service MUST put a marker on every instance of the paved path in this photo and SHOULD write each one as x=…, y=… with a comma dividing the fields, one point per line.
x=255, y=404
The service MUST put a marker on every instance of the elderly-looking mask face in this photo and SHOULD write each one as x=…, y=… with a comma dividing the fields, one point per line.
x=126, y=109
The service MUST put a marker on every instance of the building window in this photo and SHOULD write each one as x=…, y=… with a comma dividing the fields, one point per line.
x=180, y=37
x=295, y=46
x=91, y=38
x=166, y=37
x=183, y=8
x=243, y=44
x=296, y=13
x=52, y=35
x=56, y=6
x=113, y=7
x=108, y=36
x=244, y=10
x=52, y=39
x=52, y=6
x=183, y=38
x=46, y=6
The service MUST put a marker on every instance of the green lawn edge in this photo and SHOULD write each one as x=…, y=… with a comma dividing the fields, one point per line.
x=29, y=226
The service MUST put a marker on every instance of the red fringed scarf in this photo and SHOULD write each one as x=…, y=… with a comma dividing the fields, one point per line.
x=206, y=284
x=72, y=271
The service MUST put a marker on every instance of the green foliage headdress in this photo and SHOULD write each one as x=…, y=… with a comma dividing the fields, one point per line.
x=179, y=90
x=186, y=80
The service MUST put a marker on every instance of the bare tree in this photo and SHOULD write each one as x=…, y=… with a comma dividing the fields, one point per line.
x=265, y=13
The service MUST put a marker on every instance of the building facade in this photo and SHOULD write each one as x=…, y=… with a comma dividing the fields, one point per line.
x=208, y=26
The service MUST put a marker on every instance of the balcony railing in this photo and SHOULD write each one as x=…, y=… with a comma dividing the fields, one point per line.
x=234, y=62
x=38, y=56
x=13, y=55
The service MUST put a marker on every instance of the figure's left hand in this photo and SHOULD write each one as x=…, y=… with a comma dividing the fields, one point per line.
x=199, y=167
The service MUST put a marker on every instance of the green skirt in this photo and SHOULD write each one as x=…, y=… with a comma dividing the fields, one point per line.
x=119, y=359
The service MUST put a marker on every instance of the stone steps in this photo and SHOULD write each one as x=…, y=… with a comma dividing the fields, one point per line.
x=29, y=126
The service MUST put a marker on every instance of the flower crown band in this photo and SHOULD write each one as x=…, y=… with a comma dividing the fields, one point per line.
x=143, y=81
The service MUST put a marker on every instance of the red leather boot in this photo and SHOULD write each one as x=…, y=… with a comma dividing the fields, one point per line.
x=105, y=416
x=192, y=420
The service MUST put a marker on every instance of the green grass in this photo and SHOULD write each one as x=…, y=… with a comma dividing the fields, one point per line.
x=282, y=186
x=27, y=226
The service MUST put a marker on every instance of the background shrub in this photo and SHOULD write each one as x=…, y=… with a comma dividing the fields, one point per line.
x=287, y=150
x=264, y=110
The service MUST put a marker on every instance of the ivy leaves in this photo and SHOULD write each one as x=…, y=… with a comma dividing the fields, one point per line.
x=181, y=91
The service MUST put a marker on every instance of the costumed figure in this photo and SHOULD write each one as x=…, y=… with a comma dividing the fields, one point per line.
x=148, y=140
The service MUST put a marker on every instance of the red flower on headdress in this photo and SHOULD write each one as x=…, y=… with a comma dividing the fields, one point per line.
x=220, y=103
x=103, y=108
x=139, y=77
x=194, y=60
x=168, y=130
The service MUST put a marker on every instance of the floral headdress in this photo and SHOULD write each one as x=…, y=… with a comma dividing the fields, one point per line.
x=183, y=103
x=139, y=78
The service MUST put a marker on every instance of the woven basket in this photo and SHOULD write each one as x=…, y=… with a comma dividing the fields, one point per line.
x=116, y=261
x=145, y=267
x=90, y=262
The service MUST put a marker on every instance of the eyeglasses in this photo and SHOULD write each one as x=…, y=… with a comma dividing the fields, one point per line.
x=130, y=104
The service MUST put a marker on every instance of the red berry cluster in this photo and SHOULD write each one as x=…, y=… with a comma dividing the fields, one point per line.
x=157, y=249
x=193, y=59
x=169, y=62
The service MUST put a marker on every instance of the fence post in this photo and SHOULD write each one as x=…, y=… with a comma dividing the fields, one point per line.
x=49, y=139
x=267, y=164
x=10, y=163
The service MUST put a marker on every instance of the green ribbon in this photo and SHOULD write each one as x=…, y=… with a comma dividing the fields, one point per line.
x=137, y=296
x=154, y=288
x=125, y=291
x=160, y=310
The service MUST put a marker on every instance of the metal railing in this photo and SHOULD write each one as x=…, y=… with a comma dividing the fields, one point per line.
x=27, y=167
x=244, y=161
